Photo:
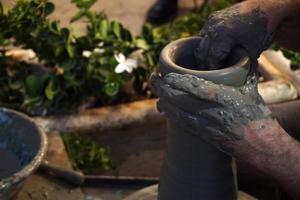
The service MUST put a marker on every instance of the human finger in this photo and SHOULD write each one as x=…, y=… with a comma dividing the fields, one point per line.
x=194, y=86
x=218, y=52
x=169, y=94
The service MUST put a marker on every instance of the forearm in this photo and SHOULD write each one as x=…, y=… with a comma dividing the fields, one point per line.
x=276, y=11
x=285, y=167
x=273, y=151
x=283, y=17
x=235, y=121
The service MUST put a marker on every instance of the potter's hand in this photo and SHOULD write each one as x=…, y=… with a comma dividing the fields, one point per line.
x=242, y=25
x=235, y=120
x=197, y=104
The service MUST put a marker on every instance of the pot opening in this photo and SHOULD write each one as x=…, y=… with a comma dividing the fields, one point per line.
x=183, y=55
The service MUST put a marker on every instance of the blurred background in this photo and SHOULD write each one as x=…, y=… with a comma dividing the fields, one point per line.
x=80, y=69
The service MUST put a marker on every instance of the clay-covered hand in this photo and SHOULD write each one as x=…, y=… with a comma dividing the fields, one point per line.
x=216, y=113
x=237, y=26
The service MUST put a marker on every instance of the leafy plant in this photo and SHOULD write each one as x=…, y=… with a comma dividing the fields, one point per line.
x=85, y=154
x=68, y=74
x=293, y=56
x=78, y=67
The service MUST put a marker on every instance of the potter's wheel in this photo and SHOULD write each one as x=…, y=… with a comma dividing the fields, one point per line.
x=150, y=193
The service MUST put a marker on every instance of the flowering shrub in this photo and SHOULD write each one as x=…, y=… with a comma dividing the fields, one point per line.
x=107, y=63
x=85, y=154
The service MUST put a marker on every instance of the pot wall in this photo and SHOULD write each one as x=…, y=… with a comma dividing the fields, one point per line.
x=194, y=169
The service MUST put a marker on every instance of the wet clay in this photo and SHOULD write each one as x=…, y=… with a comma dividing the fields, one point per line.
x=192, y=169
x=230, y=28
x=201, y=114
x=214, y=112
x=9, y=163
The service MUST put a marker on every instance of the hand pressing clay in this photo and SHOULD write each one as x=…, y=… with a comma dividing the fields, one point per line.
x=223, y=111
x=236, y=26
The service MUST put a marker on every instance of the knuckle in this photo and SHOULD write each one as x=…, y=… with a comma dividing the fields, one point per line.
x=215, y=16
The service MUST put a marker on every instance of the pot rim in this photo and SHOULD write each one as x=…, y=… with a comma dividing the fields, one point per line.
x=30, y=167
x=166, y=59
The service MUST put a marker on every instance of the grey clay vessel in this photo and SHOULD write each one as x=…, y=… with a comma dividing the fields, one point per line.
x=192, y=168
x=20, y=136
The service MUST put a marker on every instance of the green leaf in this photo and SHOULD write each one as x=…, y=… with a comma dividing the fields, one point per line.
x=59, y=50
x=141, y=43
x=90, y=69
x=33, y=85
x=49, y=8
x=112, y=88
x=65, y=33
x=53, y=27
x=30, y=101
x=104, y=28
x=70, y=50
x=90, y=15
x=146, y=30
x=116, y=27
x=150, y=60
x=84, y=4
x=70, y=80
x=68, y=65
x=50, y=90
x=77, y=16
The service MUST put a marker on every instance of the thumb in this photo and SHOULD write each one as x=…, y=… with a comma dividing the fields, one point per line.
x=249, y=89
x=213, y=51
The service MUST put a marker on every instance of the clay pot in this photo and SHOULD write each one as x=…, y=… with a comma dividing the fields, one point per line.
x=22, y=145
x=194, y=169
x=178, y=57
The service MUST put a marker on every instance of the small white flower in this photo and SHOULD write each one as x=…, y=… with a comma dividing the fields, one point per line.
x=100, y=44
x=98, y=50
x=125, y=64
x=86, y=54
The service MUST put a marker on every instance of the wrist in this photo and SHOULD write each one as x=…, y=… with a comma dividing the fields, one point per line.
x=264, y=142
x=272, y=151
x=285, y=169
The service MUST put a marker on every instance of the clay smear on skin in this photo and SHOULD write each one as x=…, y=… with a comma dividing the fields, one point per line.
x=232, y=107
